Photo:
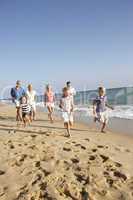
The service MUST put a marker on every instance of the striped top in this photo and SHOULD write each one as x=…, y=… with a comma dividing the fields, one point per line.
x=25, y=108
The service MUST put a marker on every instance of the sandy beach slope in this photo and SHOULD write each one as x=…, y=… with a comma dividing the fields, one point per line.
x=39, y=163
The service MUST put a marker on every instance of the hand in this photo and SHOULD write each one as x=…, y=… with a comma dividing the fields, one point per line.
x=71, y=110
x=94, y=112
x=112, y=108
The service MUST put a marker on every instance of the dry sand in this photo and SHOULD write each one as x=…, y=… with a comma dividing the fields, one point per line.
x=39, y=163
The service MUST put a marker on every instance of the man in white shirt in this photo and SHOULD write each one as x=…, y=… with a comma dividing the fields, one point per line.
x=31, y=97
x=71, y=90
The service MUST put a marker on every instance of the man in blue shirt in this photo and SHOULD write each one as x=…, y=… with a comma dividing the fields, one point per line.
x=17, y=93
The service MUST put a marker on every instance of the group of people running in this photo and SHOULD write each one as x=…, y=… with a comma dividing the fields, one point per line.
x=25, y=103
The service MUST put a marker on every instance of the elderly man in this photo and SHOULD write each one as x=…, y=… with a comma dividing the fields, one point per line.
x=17, y=93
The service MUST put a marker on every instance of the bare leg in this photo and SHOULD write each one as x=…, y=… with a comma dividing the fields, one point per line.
x=34, y=115
x=50, y=110
x=18, y=115
x=103, y=127
x=66, y=125
x=70, y=124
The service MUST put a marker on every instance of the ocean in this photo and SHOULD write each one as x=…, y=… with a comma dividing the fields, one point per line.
x=120, y=98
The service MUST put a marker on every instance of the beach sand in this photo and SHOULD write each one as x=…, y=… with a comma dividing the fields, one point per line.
x=39, y=163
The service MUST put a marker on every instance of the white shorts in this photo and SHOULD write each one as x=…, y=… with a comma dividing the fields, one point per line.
x=16, y=103
x=67, y=117
x=33, y=107
x=51, y=105
x=103, y=117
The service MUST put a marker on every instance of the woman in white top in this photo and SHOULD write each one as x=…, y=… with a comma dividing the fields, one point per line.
x=66, y=104
x=31, y=97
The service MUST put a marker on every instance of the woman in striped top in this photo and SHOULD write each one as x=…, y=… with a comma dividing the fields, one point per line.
x=26, y=109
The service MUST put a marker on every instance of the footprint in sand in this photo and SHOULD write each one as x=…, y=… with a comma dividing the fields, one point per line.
x=77, y=145
x=73, y=142
x=2, y=172
x=81, y=146
x=92, y=157
x=120, y=175
x=94, y=150
x=118, y=164
x=33, y=136
x=37, y=164
x=11, y=146
x=75, y=160
x=87, y=139
x=100, y=146
x=104, y=158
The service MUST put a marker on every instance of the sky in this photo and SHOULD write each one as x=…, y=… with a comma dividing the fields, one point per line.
x=89, y=42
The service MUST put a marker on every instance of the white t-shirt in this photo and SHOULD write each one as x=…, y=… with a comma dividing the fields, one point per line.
x=31, y=96
x=67, y=104
x=72, y=91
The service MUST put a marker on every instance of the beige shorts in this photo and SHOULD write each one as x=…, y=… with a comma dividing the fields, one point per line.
x=51, y=105
x=67, y=117
x=17, y=103
x=103, y=117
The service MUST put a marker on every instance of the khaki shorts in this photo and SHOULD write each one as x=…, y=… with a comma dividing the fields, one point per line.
x=103, y=117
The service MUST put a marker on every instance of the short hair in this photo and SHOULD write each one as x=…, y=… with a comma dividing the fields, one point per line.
x=18, y=82
x=68, y=82
x=65, y=89
x=102, y=88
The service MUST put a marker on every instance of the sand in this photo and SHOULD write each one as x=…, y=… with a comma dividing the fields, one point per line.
x=39, y=163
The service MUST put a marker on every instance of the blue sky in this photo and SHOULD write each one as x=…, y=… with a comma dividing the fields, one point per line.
x=89, y=42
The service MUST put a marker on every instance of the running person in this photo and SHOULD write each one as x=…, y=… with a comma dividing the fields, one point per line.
x=71, y=90
x=26, y=110
x=17, y=93
x=66, y=104
x=100, y=105
x=31, y=98
x=49, y=100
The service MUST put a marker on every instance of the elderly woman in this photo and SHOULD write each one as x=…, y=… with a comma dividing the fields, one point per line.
x=31, y=97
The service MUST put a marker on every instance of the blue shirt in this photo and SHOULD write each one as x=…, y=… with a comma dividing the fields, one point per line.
x=17, y=93
x=100, y=103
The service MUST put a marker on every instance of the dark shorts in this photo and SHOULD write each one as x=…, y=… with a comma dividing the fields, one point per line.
x=25, y=114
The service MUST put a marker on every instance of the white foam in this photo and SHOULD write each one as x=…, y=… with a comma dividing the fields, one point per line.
x=123, y=112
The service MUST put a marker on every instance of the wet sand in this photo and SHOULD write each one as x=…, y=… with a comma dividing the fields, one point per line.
x=39, y=163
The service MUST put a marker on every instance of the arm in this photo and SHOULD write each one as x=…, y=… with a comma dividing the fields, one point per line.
x=54, y=98
x=94, y=107
x=45, y=99
x=12, y=93
x=74, y=91
x=72, y=106
x=108, y=106
x=60, y=104
x=24, y=93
